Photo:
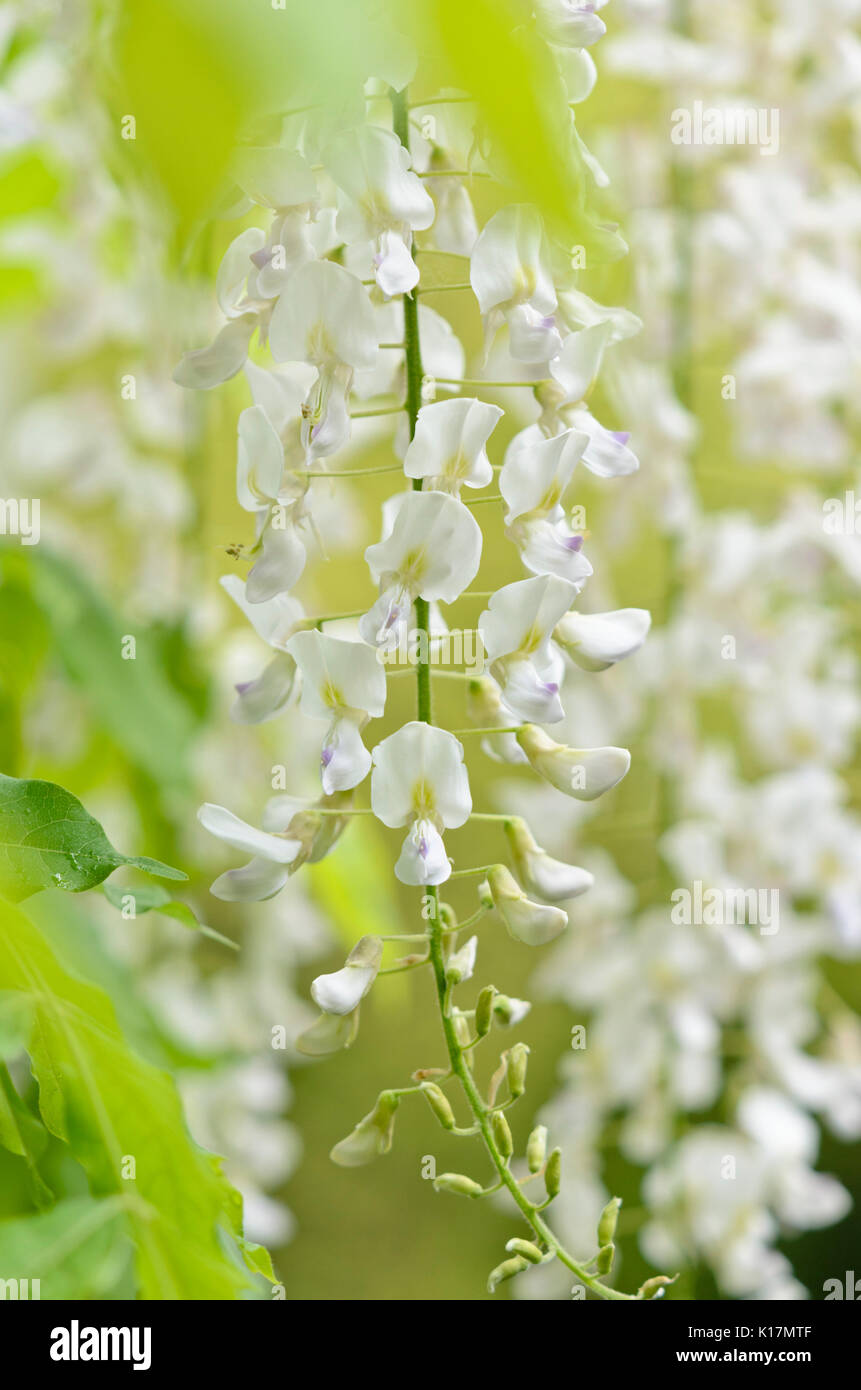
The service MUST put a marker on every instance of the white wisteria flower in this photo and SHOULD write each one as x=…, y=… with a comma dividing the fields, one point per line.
x=342, y=682
x=385, y=201
x=540, y=873
x=448, y=449
x=533, y=481
x=274, y=621
x=584, y=773
x=325, y=318
x=532, y=923
x=511, y=277
x=342, y=992
x=598, y=640
x=432, y=552
x=569, y=24
x=517, y=631
x=419, y=779
x=273, y=854
x=277, y=501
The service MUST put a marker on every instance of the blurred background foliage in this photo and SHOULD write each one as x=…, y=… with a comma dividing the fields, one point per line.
x=85, y=300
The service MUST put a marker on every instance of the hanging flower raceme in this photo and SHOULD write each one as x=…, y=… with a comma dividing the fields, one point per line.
x=533, y=481
x=324, y=317
x=419, y=780
x=385, y=201
x=432, y=552
x=344, y=683
x=510, y=274
x=277, y=500
x=517, y=631
x=448, y=449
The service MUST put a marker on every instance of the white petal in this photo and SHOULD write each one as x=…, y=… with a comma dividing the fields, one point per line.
x=254, y=882
x=338, y=674
x=550, y=548
x=607, y=454
x=281, y=562
x=532, y=923
x=520, y=617
x=274, y=177
x=450, y=440
x=207, y=367
x=324, y=316
x=509, y=262
x=235, y=268
x=238, y=833
x=527, y=694
x=343, y=990
x=420, y=768
x=598, y=640
x=532, y=336
x=538, y=470
x=344, y=760
x=263, y=698
x=273, y=620
x=387, y=621
x=331, y=1033
x=579, y=362
x=394, y=268
x=372, y=167
x=423, y=860
x=280, y=391
x=260, y=460
x=435, y=545
x=584, y=773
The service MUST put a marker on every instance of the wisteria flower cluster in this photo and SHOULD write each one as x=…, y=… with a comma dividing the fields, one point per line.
x=334, y=286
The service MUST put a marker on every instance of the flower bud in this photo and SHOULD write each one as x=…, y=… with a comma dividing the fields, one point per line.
x=502, y=1134
x=607, y=1221
x=483, y=703
x=509, y=1011
x=533, y=923
x=458, y=1183
x=331, y=1033
x=485, y=897
x=461, y=964
x=526, y=1248
x=484, y=1010
x=584, y=773
x=553, y=1173
x=517, y=1061
x=506, y=1270
x=604, y=1259
x=372, y=1135
x=438, y=1103
x=541, y=874
x=536, y=1148
x=654, y=1288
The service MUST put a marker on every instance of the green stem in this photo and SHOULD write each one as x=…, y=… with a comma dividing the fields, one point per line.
x=481, y=1112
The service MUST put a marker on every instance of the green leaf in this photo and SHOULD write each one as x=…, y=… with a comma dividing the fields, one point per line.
x=110, y=1106
x=151, y=897
x=486, y=49
x=23, y=1135
x=49, y=840
x=80, y=1249
x=132, y=701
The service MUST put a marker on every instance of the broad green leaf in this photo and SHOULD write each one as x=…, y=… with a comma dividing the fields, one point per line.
x=151, y=897
x=111, y=1107
x=486, y=49
x=49, y=840
x=78, y=1250
x=23, y=1135
x=132, y=701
